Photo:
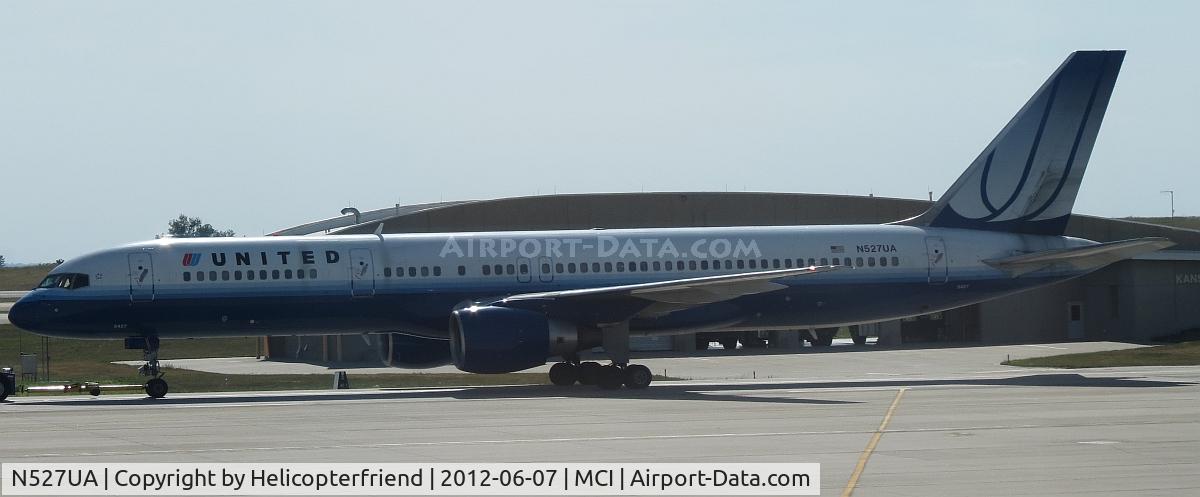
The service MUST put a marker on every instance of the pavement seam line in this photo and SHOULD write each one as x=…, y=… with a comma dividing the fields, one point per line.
x=866, y=453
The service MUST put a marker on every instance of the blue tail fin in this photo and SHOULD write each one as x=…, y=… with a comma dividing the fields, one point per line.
x=1026, y=179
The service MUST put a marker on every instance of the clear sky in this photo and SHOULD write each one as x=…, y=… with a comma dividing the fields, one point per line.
x=117, y=116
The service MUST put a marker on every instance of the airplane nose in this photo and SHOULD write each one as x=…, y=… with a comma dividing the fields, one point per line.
x=21, y=315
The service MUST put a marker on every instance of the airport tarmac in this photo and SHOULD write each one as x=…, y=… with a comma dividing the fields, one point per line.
x=960, y=425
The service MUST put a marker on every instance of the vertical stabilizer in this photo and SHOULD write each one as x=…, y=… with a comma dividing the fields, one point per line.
x=1026, y=180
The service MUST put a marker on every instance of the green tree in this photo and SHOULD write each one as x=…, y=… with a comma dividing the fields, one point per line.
x=192, y=227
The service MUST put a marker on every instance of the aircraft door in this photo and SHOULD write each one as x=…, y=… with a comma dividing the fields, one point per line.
x=545, y=269
x=362, y=273
x=939, y=264
x=524, y=272
x=141, y=277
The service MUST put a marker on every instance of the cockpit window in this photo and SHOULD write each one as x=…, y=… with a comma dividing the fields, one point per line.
x=67, y=281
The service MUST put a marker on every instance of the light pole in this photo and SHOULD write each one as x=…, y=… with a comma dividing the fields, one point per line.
x=1172, y=193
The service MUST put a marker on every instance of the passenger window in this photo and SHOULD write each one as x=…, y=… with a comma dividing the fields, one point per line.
x=437, y=270
x=837, y=261
x=753, y=263
x=237, y=276
x=299, y=274
x=187, y=276
x=812, y=262
x=546, y=268
x=657, y=265
x=741, y=264
x=424, y=270
x=670, y=266
x=224, y=275
x=858, y=261
x=775, y=264
x=512, y=269
x=692, y=265
x=620, y=267
x=498, y=269
x=787, y=263
x=487, y=270
x=571, y=267
x=824, y=261
x=274, y=274
x=644, y=266
x=212, y=276
x=608, y=267
x=762, y=264
x=583, y=267
x=387, y=272
x=895, y=261
x=462, y=270
x=595, y=267
x=287, y=274
x=262, y=274
x=558, y=267
x=870, y=261
x=250, y=275
x=883, y=262
x=312, y=274
x=199, y=275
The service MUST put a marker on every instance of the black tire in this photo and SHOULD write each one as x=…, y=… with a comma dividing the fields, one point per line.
x=95, y=391
x=564, y=374
x=589, y=373
x=729, y=344
x=4, y=393
x=610, y=377
x=638, y=376
x=859, y=339
x=156, y=388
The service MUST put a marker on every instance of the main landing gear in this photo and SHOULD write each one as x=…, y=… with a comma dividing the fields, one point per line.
x=156, y=386
x=616, y=344
x=610, y=377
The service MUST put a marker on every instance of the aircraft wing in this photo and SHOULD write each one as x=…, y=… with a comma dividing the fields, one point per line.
x=1090, y=257
x=659, y=297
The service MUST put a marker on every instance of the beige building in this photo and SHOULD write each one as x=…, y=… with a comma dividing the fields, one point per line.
x=1152, y=295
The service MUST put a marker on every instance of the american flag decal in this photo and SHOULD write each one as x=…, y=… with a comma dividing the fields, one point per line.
x=837, y=249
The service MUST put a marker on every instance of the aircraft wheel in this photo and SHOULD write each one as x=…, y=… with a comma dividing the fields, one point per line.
x=610, y=377
x=638, y=376
x=4, y=393
x=589, y=372
x=859, y=339
x=156, y=388
x=564, y=374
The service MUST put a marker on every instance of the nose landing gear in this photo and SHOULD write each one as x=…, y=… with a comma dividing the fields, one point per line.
x=156, y=387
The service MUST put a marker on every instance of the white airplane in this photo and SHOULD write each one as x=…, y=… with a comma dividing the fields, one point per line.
x=508, y=301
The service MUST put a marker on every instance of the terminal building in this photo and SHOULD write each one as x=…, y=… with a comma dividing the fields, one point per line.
x=1152, y=295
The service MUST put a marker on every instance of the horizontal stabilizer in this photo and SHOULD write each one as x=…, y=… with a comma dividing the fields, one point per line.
x=1080, y=258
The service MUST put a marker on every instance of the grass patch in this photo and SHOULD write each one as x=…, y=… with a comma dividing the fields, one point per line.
x=1176, y=354
x=24, y=277
x=73, y=361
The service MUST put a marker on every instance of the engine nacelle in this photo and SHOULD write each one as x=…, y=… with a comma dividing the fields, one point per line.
x=488, y=339
x=414, y=352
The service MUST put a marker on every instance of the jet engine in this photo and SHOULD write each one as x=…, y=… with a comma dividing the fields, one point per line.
x=490, y=339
